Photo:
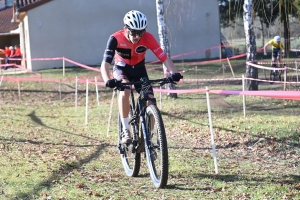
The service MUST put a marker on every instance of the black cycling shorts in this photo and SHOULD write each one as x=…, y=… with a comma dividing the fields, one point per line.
x=131, y=74
x=276, y=52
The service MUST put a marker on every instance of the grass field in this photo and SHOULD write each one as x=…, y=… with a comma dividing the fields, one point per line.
x=48, y=152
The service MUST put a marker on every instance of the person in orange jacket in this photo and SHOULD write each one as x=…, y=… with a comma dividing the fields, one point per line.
x=6, y=51
x=17, y=53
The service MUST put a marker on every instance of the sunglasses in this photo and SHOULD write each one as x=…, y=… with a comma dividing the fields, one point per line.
x=136, y=33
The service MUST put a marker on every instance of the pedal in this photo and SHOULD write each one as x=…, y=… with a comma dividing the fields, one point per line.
x=121, y=149
x=153, y=155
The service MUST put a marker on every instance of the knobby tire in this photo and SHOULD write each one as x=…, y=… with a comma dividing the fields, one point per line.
x=157, y=152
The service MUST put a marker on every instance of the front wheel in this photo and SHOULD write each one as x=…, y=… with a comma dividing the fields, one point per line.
x=131, y=159
x=156, y=150
x=272, y=76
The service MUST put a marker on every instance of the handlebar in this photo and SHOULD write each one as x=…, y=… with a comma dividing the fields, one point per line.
x=144, y=81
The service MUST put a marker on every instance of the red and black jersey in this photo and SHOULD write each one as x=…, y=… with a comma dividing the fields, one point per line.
x=124, y=52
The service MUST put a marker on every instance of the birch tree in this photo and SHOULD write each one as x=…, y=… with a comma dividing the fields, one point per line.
x=251, y=72
x=163, y=39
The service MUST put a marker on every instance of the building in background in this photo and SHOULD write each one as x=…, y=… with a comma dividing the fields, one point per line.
x=9, y=29
x=79, y=30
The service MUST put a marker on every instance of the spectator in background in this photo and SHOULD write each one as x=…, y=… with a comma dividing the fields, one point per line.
x=17, y=53
x=12, y=51
x=7, y=53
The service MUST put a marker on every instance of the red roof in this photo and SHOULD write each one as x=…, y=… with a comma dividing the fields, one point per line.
x=6, y=16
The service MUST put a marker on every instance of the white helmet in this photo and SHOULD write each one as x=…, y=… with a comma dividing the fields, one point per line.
x=277, y=38
x=135, y=20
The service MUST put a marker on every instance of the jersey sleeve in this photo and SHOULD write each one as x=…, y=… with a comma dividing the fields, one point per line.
x=271, y=42
x=109, y=52
x=281, y=45
x=155, y=48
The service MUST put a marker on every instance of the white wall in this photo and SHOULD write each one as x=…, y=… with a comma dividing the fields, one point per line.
x=79, y=29
x=9, y=3
x=2, y=4
x=6, y=3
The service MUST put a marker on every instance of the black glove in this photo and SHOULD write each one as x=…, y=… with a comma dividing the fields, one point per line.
x=112, y=83
x=175, y=77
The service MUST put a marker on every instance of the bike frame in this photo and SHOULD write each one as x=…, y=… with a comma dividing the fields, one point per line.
x=140, y=107
x=142, y=100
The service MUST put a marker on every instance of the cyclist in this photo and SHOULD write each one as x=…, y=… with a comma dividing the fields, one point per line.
x=277, y=48
x=128, y=48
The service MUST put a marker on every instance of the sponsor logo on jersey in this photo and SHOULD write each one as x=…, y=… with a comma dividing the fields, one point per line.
x=140, y=49
x=123, y=45
x=124, y=53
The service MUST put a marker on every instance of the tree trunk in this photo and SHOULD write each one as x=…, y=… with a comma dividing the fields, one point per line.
x=251, y=72
x=283, y=9
x=286, y=33
x=163, y=39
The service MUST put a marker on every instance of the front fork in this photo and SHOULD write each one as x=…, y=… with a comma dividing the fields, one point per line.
x=143, y=123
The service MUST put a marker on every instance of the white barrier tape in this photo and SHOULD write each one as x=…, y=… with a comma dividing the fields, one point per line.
x=207, y=80
x=271, y=68
x=294, y=50
x=268, y=81
x=279, y=63
x=262, y=67
x=293, y=69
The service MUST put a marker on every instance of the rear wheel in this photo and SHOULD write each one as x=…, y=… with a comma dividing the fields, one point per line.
x=157, y=150
x=131, y=160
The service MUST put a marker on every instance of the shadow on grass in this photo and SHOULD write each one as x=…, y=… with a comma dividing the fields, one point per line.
x=64, y=168
x=60, y=173
x=37, y=120
x=293, y=139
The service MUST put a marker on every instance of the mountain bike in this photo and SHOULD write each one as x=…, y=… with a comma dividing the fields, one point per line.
x=275, y=72
x=149, y=137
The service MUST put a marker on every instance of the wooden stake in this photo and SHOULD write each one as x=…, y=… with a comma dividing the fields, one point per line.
x=230, y=67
